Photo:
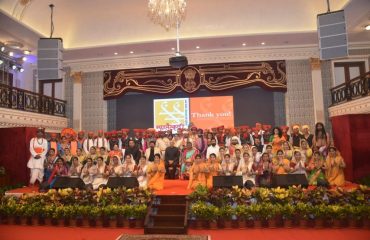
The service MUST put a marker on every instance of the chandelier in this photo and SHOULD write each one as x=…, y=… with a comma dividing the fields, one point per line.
x=167, y=13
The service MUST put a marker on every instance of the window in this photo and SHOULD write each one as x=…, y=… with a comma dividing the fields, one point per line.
x=51, y=88
x=345, y=71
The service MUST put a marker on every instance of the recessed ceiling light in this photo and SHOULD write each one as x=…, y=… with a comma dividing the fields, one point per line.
x=21, y=70
x=26, y=52
x=197, y=47
x=173, y=49
x=14, y=67
x=367, y=27
x=24, y=59
x=11, y=54
x=244, y=44
x=2, y=48
x=116, y=53
x=263, y=43
x=131, y=52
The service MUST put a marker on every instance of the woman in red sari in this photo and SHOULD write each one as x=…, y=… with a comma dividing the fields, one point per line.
x=60, y=169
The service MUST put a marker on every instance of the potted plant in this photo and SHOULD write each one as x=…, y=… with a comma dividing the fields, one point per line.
x=30, y=213
x=199, y=211
x=49, y=213
x=226, y=214
x=69, y=215
x=57, y=215
x=320, y=213
x=94, y=214
x=139, y=211
x=109, y=216
x=122, y=213
x=256, y=214
x=337, y=214
x=273, y=214
x=287, y=214
x=243, y=214
x=303, y=211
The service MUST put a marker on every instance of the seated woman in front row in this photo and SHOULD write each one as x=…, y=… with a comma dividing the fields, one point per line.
x=334, y=167
x=100, y=174
x=198, y=173
x=140, y=171
x=60, y=169
x=155, y=173
x=316, y=176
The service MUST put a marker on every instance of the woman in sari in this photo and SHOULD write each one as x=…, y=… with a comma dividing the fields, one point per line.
x=155, y=173
x=80, y=155
x=100, y=173
x=227, y=166
x=287, y=150
x=281, y=165
x=276, y=139
x=93, y=154
x=76, y=167
x=307, y=135
x=317, y=173
x=214, y=168
x=115, y=167
x=245, y=169
x=140, y=171
x=128, y=166
x=321, y=140
x=255, y=154
x=198, y=173
x=298, y=163
x=306, y=151
x=67, y=156
x=60, y=169
x=264, y=171
x=334, y=167
x=188, y=157
x=115, y=152
x=87, y=172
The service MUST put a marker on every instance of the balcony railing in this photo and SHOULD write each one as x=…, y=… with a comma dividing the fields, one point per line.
x=20, y=99
x=356, y=88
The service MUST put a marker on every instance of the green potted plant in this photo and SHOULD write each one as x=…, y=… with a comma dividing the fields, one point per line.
x=49, y=213
x=320, y=213
x=140, y=211
x=109, y=215
x=287, y=214
x=256, y=214
x=57, y=215
x=303, y=210
x=337, y=214
x=30, y=213
x=122, y=215
x=198, y=210
x=226, y=214
x=68, y=215
x=273, y=214
x=94, y=215
x=243, y=214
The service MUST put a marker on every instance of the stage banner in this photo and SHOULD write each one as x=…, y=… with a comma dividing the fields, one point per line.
x=270, y=75
x=212, y=111
x=171, y=113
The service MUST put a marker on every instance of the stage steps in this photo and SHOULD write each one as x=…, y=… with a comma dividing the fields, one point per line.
x=167, y=214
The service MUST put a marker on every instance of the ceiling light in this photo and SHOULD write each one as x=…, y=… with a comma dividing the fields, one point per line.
x=116, y=53
x=173, y=49
x=2, y=49
x=24, y=59
x=11, y=54
x=14, y=67
x=367, y=27
x=131, y=52
x=244, y=44
x=167, y=13
x=21, y=69
x=197, y=47
x=1, y=61
x=263, y=43
x=26, y=52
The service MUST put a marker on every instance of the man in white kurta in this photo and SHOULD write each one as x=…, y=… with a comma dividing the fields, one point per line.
x=101, y=141
x=89, y=142
x=38, y=149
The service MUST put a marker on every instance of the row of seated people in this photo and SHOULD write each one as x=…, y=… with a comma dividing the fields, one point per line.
x=256, y=169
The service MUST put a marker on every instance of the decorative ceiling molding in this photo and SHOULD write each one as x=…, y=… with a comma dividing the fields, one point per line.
x=16, y=118
x=216, y=56
x=358, y=106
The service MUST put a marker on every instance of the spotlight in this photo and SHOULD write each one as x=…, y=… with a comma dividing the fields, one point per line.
x=21, y=70
x=11, y=54
x=24, y=59
x=14, y=67
x=27, y=52
x=1, y=61
x=2, y=48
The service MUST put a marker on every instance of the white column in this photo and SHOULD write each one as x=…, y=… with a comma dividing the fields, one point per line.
x=77, y=100
x=318, y=96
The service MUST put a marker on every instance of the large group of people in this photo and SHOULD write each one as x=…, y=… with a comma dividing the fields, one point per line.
x=255, y=153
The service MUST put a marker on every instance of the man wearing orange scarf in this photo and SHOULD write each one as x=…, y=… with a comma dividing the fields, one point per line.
x=38, y=149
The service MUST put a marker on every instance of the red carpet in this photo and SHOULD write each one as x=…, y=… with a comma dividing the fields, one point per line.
x=13, y=232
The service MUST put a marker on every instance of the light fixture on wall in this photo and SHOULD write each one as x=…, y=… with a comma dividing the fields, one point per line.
x=167, y=13
x=367, y=27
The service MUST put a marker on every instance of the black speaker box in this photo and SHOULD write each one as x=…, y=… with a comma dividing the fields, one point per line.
x=68, y=182
x=227, y=181
x=287, y=180
x=128, y=182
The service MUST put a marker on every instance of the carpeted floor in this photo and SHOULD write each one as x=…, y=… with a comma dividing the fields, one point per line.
x=163, y=237
x=13, y=232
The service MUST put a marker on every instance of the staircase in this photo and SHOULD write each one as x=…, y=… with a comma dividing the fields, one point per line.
x=167, y=214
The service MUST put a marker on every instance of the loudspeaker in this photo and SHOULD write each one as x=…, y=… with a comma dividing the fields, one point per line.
x=68, y=182
x=331, y=28
x=178, y=61
x=128, y=182
x=227, y=181
x=50, y=58
x=287, y=180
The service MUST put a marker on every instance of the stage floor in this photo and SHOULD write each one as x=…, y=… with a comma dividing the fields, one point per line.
x=171, y=187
